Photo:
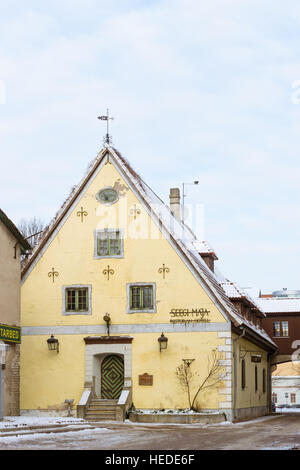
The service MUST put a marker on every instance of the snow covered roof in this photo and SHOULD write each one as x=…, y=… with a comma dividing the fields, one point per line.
x=204, y=248
x=183, y=237
x=234, y=291
x=279, y=305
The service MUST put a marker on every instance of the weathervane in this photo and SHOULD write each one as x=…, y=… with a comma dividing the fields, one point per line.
x=107, y=138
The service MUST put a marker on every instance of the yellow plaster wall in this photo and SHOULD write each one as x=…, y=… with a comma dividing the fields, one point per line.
x=248, y=397
x=48, y=381
x=48, y=378
x=71, y=254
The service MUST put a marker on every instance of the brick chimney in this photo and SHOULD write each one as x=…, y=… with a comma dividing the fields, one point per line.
x=175, y=202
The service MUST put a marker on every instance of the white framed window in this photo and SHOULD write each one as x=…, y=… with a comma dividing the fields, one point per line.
x=108, y=243
x=141, y=297
x=77, y=300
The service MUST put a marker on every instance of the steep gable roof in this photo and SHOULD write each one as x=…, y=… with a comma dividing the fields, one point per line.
x=25, y=245
x=179, y=234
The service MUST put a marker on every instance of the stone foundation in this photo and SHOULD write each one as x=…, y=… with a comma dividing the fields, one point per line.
x=251, y=413
x=209, y=418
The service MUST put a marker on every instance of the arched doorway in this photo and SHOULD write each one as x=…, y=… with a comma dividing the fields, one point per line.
x=112, y=376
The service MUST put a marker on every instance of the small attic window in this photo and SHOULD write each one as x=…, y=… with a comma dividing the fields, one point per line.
x=107, y=196
x=108, y=243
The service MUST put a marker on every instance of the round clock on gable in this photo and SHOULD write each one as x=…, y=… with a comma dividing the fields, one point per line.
x=107, y=196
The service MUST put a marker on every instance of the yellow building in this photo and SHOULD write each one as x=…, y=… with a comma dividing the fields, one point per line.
x=127, y=298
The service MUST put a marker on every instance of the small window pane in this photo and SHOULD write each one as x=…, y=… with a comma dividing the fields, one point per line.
x=135, y=297
x=77, y=300
x=264, y=380
x=255, y=378
x=285, y=328
x=114, y=239
x=243, y=374
x=108, y=243
x=147, y=297
x=102, y=245
x=293, y=397
x=276, y=328
x=141, y=297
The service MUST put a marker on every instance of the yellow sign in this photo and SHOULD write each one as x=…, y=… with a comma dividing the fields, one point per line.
x=11, y=334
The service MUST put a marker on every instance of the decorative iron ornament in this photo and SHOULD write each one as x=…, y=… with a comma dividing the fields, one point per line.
x=188, y=362
x=107, y=272
x=107, y=139
x=82, y=213
x=163, y=271
x=134, y=212
x=53, y=274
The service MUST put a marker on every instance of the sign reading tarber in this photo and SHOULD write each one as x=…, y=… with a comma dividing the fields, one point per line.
x=184, y=315
x=11, y=334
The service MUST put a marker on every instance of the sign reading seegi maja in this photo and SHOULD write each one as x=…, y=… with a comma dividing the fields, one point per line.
x=184, y=315
x=11, y=334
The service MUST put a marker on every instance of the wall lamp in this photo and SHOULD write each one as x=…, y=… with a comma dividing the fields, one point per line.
x=107, y=320
x=163, y=342
x=53, y=344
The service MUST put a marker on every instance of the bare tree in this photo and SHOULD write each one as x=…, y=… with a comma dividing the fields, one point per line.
x=32, y=229
x=213, y=379
x=185, y=377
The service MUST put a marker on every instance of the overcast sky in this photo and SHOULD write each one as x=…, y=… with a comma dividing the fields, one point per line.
x=200, y=90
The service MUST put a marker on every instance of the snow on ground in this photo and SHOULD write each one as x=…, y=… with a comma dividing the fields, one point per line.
x=186, y=411
x=26, y=421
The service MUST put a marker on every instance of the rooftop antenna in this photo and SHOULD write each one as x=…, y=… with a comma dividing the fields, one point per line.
x=107, y=139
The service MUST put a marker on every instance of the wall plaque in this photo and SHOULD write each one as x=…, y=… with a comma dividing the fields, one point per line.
x=146, y=379
x=185, y=315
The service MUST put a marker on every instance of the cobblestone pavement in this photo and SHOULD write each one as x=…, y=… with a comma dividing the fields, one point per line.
x=272, y=432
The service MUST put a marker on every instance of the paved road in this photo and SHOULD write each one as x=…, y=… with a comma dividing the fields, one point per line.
x=273, y=432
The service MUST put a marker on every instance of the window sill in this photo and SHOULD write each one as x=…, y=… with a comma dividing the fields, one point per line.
x=280, y=337
x=108, y=256
x=140, y=311
x=77, y=313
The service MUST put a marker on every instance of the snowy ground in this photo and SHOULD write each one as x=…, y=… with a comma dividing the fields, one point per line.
x=26, y=421
x=276, y=432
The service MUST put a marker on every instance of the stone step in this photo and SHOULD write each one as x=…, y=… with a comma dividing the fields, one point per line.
x=98, y=406
x=104, y=401
x=99, y=417
x=101, y=411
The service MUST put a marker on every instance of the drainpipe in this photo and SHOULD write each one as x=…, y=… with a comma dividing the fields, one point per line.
x=235, y=370
x=270, y=355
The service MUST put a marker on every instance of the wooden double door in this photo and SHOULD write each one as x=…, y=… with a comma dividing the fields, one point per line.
x=112, y=377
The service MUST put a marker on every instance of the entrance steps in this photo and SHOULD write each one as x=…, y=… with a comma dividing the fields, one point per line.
x=101, y=410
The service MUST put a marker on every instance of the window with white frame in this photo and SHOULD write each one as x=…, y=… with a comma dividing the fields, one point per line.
x=141, y=297
x=108, y=243
x=76, y=300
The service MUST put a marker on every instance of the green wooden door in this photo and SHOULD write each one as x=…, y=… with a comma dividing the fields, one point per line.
x=112, y=377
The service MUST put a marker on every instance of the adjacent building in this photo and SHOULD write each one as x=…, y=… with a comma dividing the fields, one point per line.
x=286, y=386
x=120, y=296
x=282, y=322
x=12, y=244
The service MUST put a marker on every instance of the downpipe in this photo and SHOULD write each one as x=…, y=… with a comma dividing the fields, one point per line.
x=235, y=371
